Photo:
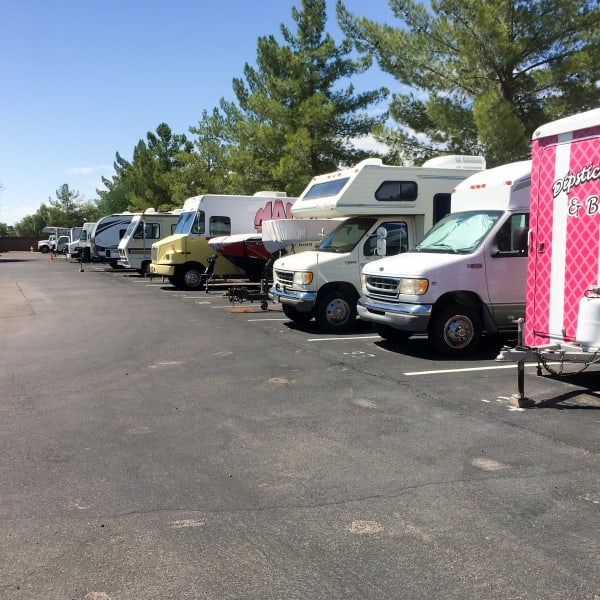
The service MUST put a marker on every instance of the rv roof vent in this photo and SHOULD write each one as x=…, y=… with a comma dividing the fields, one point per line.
x=267, y=194
x=369, y=161
x=149, y=211
x=456, y=161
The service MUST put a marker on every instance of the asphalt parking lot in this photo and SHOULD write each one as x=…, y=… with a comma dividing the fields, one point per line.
x=166, y=444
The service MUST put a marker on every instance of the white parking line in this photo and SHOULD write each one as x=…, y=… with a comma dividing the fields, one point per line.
x=265, y=319
x=464, y=370
x=344, y=338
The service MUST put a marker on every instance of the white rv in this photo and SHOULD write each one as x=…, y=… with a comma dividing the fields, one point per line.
x=79, y=249
x=144, y=230
x=467, y=276
x=387, y=210
x=106, y=235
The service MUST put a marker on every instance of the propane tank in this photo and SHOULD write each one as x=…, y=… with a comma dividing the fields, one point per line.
x=588, y=320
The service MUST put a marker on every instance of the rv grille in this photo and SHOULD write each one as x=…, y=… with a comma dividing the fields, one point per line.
x=382, y=287
x=284, y=277
x=154, y=254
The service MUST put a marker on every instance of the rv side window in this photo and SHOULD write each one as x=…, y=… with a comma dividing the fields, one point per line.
x=219, y=226
x=153, y=231
x=396, y=240
x=441, y=206
x=394, y=191
x=511, y=239
x=173, y=228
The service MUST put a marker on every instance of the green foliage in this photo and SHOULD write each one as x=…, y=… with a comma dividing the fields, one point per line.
x=150, y=179
x=482, y=76
x=293, y=118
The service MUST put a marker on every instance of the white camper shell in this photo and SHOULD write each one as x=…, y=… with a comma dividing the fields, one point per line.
x=467, y=276
x=106, y=235
x=135, y=247
x=387, y=210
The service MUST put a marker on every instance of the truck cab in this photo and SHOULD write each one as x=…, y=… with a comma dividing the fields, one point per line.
x=467, y=276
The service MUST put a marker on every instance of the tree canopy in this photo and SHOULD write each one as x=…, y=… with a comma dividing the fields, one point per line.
x=480, y=77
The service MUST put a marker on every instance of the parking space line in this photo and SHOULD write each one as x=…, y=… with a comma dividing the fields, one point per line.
x=340, y=339
x=463, y=370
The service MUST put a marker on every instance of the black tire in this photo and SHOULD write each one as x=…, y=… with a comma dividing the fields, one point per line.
x=336, y=311
x=44, y=249
x=295, y=315
x=144, y=271
x=191, y=277
x=86, y=255
x=456, y=330
x=391, y=333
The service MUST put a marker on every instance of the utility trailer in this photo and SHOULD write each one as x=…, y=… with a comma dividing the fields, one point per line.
x=562, y=306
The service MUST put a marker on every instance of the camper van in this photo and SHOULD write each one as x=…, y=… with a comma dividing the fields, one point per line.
x=144, y=230
x=106, y=235
x=183, y=256
x=562, y=314
x=467, y=276
x=386, y=211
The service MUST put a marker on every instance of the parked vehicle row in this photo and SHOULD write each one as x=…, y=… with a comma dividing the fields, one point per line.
x=440, y=249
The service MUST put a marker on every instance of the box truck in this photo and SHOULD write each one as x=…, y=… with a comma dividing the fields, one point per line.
x=467, y=276
x=387, y=210
x=562, y=315
x=183, y=256
x=144, y=230
x=79, y=249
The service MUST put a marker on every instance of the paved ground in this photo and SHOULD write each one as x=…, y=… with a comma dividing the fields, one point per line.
x=162, y=444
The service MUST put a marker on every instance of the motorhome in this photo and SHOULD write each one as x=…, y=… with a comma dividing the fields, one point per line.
x=386, y=210
x=144, y=230
x=467, y=276
x=106, y=235
x=79, y=249
x=183, y=256
x=562, y=315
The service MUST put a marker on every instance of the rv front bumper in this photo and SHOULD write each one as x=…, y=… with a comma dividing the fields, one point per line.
x=301, y=301
x=164, y=270
x=408, y=317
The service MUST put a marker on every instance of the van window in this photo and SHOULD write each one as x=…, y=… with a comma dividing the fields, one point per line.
x=139, y=231
x=393, y=191
x=396, y=240
x=511, y=239
x=441, y=206
x=153, y=231
x=198, y=226
x=219, y=226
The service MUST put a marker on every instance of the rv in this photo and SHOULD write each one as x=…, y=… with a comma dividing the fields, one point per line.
x=386, y=211
x=79, y=249
x=467, y=276
x=143, y=231
x=106, y=235
x=562, y=315
x=183, y=256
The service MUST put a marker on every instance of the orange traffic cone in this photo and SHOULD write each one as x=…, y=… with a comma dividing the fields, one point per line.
x=51, y=257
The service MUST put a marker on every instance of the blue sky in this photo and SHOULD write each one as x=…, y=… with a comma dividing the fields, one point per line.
x=80, y=81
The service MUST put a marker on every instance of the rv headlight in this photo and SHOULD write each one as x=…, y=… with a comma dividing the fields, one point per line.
x=413, y=287
x=363, y=281
x=303, y=277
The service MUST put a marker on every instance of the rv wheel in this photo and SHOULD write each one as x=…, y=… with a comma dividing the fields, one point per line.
x=456, y=330
x=295, y=315
x=336, y=311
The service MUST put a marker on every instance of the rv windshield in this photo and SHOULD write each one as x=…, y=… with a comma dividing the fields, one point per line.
x=130, y=229
x=190, y=222
x=326, y=189
x=459, y=233
x=344, y=237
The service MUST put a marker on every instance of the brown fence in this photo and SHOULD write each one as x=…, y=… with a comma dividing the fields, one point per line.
x=19, y=243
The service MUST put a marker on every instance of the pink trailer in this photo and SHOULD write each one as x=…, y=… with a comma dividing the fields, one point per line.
x=562, y=313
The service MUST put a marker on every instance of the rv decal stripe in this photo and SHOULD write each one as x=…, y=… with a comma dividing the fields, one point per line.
x=559, y=239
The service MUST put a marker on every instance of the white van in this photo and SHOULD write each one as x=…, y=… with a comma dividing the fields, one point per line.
x=467, y=276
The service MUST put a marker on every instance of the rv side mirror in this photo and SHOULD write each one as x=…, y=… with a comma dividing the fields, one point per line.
x=381, y=243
